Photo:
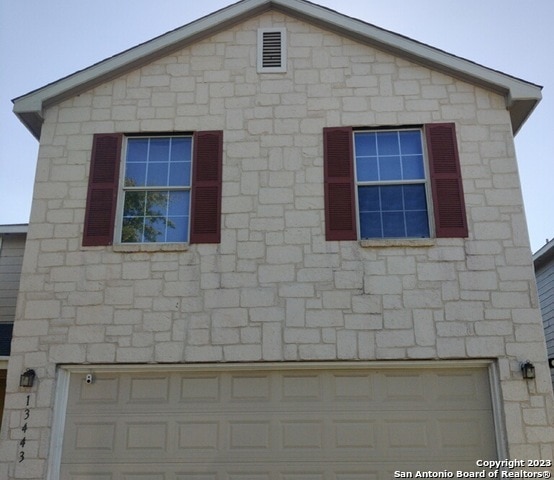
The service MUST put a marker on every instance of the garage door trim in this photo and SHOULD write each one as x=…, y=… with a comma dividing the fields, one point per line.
x=65, y=371
x=307, y=365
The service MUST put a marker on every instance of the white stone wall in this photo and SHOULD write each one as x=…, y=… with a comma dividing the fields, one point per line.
x=274, y=289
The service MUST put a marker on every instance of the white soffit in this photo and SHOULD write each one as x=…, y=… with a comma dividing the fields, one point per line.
x=521, y=96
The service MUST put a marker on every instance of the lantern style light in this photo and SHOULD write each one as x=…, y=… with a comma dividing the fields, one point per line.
x=528, y=370
x=27, y=379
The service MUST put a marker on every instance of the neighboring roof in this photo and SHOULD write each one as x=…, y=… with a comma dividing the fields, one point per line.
x=544, y=254
x=14, y=228
x=521, y=96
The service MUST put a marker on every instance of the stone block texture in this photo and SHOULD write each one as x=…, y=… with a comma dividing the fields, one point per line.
x=274, y=289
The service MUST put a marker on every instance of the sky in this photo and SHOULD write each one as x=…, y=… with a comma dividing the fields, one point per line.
x=42, y=41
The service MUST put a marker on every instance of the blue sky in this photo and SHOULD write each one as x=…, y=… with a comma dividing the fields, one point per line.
x=43, y=41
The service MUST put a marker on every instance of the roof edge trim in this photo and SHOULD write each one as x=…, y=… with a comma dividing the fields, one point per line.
x=14, y=228
x=521, y=96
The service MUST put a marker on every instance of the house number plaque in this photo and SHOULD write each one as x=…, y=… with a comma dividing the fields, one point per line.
x=26, y=417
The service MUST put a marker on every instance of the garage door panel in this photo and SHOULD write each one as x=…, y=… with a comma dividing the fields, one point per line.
x=105, y=392
x=144, y=476
x=402, y=388
x=307, y=434
x=196, y=476
x=199, y=435
x=93, y=437
x=303, y=476
x=402, y=434
x=146, y=436
x=354, y=434
x=79, y=474
x=295, y=388
x=149, y=389
x=247, y=475
x=464, y=390
x=467, y=433
x=252, y=388
x=276, y=423
x=249, y=435
x=352, y=387
x=199, y=389
x=368, y=475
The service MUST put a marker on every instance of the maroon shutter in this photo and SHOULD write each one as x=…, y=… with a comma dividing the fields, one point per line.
x=102, y=190
x=206, y=187
x=446, y=180
x=338, y=171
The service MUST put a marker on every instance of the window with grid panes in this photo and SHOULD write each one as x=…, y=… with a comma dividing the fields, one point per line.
x=391, y=184
x=156, y=189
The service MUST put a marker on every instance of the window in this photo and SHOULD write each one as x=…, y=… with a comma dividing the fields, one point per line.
x=6, y=333
x=391, y=184
x=156, y=190
x=170, y=191
x=378, y=183
x=271, y=50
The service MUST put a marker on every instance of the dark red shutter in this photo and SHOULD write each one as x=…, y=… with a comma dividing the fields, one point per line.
x=338, y=171
x=446, y=181
x=206, y=187
x=102, y=190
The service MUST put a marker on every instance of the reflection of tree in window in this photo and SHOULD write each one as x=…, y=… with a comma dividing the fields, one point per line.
x=156, y=205
x=143, y=215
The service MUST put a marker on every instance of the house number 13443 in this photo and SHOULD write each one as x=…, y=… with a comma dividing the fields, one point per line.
x=23, y=441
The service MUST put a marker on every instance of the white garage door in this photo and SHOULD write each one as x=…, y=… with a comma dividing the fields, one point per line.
x=355, y=424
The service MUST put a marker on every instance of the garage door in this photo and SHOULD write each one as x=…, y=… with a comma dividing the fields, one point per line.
x=276, y=425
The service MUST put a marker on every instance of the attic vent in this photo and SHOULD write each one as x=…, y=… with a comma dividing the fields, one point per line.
x=271, y=50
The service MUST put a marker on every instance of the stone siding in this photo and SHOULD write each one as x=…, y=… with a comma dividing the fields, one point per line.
x=274, y=289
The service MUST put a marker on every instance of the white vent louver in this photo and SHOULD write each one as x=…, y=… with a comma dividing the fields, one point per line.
x=271, y=50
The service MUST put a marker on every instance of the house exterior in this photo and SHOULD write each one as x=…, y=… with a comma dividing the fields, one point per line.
x=12, y=245
x=543, y=261
x=277, y=242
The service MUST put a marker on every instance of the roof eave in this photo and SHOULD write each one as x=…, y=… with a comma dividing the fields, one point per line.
x=13, y=228
x=29, y=107
x=520, y=110
x=544, y=255
x=521, y=96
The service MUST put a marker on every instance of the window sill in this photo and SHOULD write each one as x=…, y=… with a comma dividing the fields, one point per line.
x=150, y=247
x=398, y=242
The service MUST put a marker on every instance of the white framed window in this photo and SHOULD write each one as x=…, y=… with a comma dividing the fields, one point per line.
x=400, y=182
x=272, y=50
x=155, y=189
x=392, y=190
x=143, y=188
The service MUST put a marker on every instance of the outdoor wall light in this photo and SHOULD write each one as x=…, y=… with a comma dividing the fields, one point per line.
x=528, y=370
x=27, y=378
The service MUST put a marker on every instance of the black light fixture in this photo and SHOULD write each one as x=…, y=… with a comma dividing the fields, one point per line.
x=27, y=378
x=528, y=370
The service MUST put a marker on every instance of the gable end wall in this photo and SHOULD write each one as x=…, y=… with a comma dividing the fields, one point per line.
x=274, y=289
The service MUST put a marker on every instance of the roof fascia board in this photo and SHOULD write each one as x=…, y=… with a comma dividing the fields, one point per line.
x=412, y=49
x=29, y=107
x=139, y=55
x=107, y=69
x=14, y=228
x=521, y=97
